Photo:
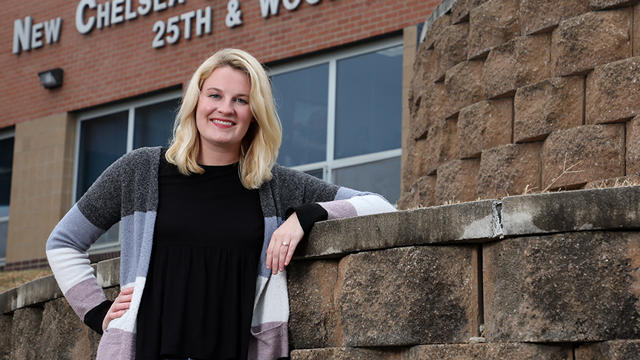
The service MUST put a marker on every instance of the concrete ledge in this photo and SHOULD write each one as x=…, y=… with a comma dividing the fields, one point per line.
x=46, y=288
x=595, y=209
x=471, y=222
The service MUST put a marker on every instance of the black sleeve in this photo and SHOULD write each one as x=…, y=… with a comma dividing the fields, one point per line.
x=308, y=214
x=94, y=317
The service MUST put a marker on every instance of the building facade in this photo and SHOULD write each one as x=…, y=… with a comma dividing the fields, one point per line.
x=86, y=81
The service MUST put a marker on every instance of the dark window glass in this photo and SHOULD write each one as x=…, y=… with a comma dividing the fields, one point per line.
x=6, y=166
x=154, y=124
x=381, y=177
x=369, y=103
x=103, y=140
x=302, y=98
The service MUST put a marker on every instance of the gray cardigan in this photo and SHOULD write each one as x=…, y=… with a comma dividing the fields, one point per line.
x=128, y=192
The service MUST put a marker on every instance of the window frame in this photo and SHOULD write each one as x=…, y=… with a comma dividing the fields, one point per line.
x=7, y=133
x=130, y=106
x=330, y=163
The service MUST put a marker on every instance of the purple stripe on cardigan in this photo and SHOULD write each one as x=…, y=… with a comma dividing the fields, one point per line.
x=117, y=344
x=84, y=296
x=269, y=341
x=339, y=209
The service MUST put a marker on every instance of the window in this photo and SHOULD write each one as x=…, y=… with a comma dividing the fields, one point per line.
x=342, y=116
x=6, y=166
x=106, y=134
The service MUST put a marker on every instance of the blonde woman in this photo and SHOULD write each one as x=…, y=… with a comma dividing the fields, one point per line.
x=200, y=222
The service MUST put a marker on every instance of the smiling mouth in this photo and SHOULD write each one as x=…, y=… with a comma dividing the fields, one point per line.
x=223, y=122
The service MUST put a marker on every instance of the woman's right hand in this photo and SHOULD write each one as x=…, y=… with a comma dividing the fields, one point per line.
x=119, y=307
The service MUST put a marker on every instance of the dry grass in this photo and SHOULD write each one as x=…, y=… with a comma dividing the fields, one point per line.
x=11, y=279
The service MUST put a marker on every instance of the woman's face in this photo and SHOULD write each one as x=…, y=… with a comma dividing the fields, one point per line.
x=223, y=114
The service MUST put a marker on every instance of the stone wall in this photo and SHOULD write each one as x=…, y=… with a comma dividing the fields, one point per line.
x=515, y=96
x=539, y=276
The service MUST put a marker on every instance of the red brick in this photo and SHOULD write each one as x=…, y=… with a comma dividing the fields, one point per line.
x=538, y=16
x=485, y=125
x=457, y=181
x=442, y=144
x=491, y=24
x=613, y=92
x=519, y=62
x=463, y=84
x=584, y=42
x=451, y=48
x=553, y=104
x=509, y=170
x=574, y=157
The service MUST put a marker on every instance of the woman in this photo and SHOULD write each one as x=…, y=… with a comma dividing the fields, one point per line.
x=199, y=221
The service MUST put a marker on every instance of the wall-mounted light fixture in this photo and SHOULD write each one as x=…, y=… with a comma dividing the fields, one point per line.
x=51, y=78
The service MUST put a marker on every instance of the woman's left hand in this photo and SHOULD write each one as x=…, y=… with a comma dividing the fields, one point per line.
x=283, y=243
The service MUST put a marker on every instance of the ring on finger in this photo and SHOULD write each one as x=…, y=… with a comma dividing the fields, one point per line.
x=285, y=244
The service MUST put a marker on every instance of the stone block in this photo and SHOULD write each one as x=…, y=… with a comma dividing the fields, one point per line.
x=108, y=272
x=25, y=333
x=552, y=104
x=431, y=107
x=633, y=146
x=574, y=157
x=581, y=43
x=581, y=210
x=63, y=334
x=461, y=8
x=610, y=4
x=469, y=222
x=569, y=287
x=451, y=48
x=346, y=354
x=313, y=321
x=413, y=168
x=516, y=63
x=610, y=350
x=488, y=351
x=485, y=125
x=435, y=29
x=421, y=294
x=424, y=69
x=463, y=84
x=491, y=24
x=5, y=336
x=509, y=170
x=422, y=194
x=613, y=92
x=441, y=145
x=636, y=30
x=457, y=181
x=539, y=16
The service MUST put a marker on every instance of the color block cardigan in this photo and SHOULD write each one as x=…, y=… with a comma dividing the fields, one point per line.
x=128, y=192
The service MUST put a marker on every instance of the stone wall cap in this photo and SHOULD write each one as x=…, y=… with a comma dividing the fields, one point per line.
x=578, y=210
x=46, y=288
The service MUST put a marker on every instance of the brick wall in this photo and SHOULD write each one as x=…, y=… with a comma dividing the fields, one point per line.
x=516, y=96
x=118, y=62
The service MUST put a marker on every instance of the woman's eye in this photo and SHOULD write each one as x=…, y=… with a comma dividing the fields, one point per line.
x=242, y=101
x=214, y=96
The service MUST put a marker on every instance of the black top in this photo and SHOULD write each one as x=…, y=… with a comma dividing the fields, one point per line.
x=198, y=297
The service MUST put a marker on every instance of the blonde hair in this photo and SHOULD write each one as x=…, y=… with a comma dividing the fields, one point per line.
x=260, y=145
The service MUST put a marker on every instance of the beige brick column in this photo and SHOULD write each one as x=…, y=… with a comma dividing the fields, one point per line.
x=41, y=186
